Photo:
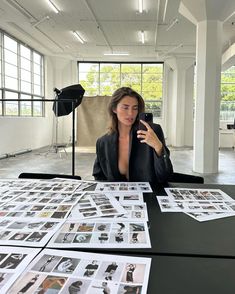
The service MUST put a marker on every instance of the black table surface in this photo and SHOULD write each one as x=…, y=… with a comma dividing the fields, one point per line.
x=191, y=275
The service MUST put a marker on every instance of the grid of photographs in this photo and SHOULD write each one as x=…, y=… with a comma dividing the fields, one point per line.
x=54, y=271
x=93, y=204
x=51, y=211
x=101, y=234
x=200, y=204
x=47, y=197
x=171, y=205
x=143, y=187
x=13, y=261
x=30, y=232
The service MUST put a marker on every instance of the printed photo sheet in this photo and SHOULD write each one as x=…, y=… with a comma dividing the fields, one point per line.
x=207, y=216
x=83, y=185
x=128, y=197
x=92, y=205
x=134, y=212
x=197, y=194
x=47, y=197
x=95, y=234
x=14, y=184
x=13, y=261
x=9, y=195
x=123, y=187
x=27, y=232
x=54, y=271
x=168, y=204
x=47, y=210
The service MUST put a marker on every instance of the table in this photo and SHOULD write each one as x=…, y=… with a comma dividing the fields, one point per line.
x=191, y=275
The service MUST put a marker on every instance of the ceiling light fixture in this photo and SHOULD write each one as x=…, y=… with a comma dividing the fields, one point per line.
x=173, y=23
x=53, y=7
x=140, y=6
x=142, y=37
x=117, y=54
x=76, y=34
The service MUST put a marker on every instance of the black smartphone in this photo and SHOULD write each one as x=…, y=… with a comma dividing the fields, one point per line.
x=145, y=116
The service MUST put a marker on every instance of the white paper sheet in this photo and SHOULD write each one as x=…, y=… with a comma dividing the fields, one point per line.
x=123, y=187
x=207, y=216
x=112, y=234
x=13, y=261
x=197, y=194
x=92, y=205
x=30, y=232
x=62, y=272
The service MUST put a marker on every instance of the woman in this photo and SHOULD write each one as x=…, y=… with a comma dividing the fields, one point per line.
x=126, y=153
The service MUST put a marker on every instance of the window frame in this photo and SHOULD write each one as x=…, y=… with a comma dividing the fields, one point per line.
x=21, y=67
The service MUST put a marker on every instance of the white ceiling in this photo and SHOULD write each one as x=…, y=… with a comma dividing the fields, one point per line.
x=106, y=26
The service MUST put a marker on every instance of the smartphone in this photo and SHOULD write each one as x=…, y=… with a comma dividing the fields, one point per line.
x=145, y=116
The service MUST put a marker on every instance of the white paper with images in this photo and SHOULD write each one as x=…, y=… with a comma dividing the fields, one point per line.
x=13, y=261
x=102, y=234
x=56, y=271
x=94, y=204
x=27, y=232
x=197, y=194
x=134, y=212
x=168, y=204
x=143, y=187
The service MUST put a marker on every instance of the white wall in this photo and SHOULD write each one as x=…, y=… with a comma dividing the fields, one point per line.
x=20, y=133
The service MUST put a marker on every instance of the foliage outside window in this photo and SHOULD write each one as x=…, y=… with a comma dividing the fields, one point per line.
x=21, y=78
x=227, y=106
x=104, y=78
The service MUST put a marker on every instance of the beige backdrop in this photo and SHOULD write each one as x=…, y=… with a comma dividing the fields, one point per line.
x=92, y=120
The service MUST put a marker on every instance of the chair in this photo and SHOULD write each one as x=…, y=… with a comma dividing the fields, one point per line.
x=184, y=178
x=46, y=176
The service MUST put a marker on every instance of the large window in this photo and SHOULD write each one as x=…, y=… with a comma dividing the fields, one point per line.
x=227, y=106
x=21, y=79
x=104, y=78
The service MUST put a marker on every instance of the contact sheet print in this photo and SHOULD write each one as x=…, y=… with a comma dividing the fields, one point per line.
x=200, y=204
x=13, y=261
x=96, y=204
x=103, y=234
x=30, y=232
x=123, y=187
x=54, y=271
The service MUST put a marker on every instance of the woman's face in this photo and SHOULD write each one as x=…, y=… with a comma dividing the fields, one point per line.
x=127, y=110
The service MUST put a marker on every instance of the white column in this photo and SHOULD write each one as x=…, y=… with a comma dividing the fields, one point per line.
x=208, y=71
x=178, y=104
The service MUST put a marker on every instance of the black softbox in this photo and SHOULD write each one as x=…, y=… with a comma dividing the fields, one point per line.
x=73, y=94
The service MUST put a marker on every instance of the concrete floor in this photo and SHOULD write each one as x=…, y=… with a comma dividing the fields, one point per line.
x=46, y=160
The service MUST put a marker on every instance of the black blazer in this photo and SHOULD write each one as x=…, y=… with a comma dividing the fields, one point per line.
x=144, y=164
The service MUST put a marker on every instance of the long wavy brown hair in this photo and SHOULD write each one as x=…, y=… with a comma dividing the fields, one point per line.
x=116, y=98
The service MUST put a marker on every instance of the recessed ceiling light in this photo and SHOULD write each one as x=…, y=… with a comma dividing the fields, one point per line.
x=117, y=54
x=142, y=39
x=76, y=34
x=140, y=6
x=52, y=6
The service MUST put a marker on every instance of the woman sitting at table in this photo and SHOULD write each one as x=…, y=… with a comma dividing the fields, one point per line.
x=126, y=153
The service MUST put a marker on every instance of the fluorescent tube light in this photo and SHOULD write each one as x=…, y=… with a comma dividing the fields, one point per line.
x=142, y=37
x=174, y=22
x=76, y=34
x=117, y=54
x=140, y=6
x=53, y=7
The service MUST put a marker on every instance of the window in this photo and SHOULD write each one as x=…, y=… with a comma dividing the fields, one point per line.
x=104, y=78
x=227, y=105
x=21, y=79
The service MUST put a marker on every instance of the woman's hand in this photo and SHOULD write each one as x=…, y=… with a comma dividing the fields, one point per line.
x=149, y=137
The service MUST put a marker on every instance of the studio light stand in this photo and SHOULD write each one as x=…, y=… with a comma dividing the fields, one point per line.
x=66, y=101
